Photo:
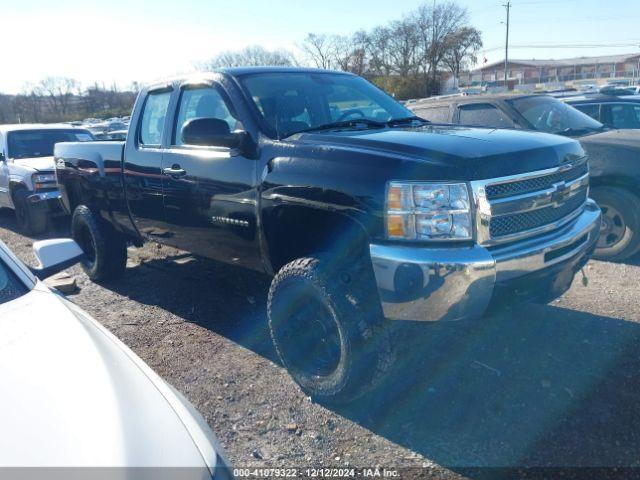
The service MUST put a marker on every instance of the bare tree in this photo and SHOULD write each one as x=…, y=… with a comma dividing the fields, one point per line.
x=379, y=43
x=359, y=52
x=440, y=22
x=5, y=108
x=60, y=90
x=250, y=56
x=349, y=53
x=319, y=49
x=403, y=47
x=461, y=49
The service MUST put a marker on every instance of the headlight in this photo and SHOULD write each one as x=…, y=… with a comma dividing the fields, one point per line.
x=43, y=180
x=428, y=211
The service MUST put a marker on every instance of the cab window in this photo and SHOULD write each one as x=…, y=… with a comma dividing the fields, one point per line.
x=203, y=102
x=624, y=116
x=483, y=115
x=592, y=110
x=434, y=114
x=153, y=117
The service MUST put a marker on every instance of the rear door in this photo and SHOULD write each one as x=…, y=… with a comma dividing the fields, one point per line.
x=143, y=165
x=209, y=192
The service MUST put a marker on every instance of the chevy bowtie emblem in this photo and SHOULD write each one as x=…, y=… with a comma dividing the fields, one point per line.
x=560, y=193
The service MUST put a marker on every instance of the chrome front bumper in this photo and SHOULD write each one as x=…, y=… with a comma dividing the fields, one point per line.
x=432, y=284
x=44, y=196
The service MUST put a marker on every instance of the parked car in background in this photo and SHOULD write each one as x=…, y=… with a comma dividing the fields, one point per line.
x=73, y=395
x=612, y=111
x=358, y=210
x=107, y=127
x=615, y=90
x=115, y=135
x=27, y=174
x=614, y=155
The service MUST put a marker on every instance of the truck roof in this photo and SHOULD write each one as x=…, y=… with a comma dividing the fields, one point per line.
x=475, y=98
x=10, y=127
x=238, y=72
x=251, y=70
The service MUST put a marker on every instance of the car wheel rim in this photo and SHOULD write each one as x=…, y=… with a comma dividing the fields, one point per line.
x=613, y=227
x=310, y=339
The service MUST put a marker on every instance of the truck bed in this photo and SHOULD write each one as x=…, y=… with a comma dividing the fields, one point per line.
x=91, y=173
x=98, y=156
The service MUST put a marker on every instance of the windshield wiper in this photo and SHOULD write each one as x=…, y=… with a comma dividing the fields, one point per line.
x=570, y=131
x=359, y=123
x=397, y=122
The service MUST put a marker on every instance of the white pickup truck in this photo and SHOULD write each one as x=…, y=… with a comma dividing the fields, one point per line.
x=27, y=172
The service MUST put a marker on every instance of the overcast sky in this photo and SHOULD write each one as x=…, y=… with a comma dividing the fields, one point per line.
x=125, y=40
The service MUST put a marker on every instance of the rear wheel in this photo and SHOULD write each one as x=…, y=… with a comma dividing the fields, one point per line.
x=620, y=230
x=29, y=220
x=331, y=340
x=104, y=248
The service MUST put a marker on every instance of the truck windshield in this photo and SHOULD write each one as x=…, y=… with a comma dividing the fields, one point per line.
x=548, y=114
x=294, y=102
x=40, y=142
x=10, y=287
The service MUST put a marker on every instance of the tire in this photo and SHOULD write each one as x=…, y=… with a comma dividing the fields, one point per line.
x=620, y=232
x=104, y=248
x=29, y=220
x=326, y=331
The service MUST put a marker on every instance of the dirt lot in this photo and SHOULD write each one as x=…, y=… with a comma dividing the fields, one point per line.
x=535, y=385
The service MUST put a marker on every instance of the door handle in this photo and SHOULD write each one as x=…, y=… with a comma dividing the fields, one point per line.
x=174, y=171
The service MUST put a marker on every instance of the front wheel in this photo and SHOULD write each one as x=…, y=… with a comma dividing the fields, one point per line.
x=332, y=343
x=105, y=249
x=620, y=232
x=30, y=220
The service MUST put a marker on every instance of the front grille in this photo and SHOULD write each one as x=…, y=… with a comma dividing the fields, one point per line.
x=513, y=208
x=519, y=187
x=519, y=222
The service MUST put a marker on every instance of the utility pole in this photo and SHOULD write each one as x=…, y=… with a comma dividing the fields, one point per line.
x=506, y=46
x=433, y=43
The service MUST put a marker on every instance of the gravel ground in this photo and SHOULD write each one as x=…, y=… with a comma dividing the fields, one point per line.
x=535, y=385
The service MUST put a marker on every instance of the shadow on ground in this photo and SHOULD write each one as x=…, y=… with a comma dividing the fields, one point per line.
x=532, y=385
x=535, y=385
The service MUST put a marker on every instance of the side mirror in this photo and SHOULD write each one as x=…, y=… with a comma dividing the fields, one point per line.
x=2, y=157
x=55, y=255
x=211, y=132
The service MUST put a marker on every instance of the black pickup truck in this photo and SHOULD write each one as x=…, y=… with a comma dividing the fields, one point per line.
x=359, y=210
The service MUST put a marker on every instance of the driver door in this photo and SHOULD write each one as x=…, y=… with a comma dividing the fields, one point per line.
x=209, y=191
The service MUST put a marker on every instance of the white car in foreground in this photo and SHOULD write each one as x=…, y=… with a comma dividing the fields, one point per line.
x=73, y=395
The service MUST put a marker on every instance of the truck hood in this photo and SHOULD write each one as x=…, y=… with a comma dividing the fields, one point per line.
x=72, y=395
x=474, y=153
x=621, y=138
x=40, y=164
